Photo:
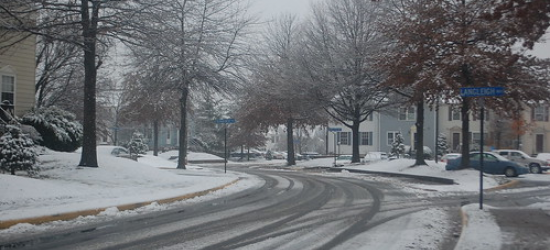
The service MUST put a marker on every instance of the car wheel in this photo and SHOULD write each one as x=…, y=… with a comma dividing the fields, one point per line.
x=510, y=172
x=535, y=169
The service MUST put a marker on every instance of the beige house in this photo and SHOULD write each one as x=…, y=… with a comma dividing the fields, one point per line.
x=17, y=75
x=530, y=134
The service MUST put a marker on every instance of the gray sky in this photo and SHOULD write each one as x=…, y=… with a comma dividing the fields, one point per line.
x=272, y=8
x=543, y=49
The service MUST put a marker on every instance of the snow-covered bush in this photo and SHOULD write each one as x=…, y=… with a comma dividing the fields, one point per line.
x=16, y=151
x=397, y=147
x=136, y=145
x=442, y=146
x=59, y=129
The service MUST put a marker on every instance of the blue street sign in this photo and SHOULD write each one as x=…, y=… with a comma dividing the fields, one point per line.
x=225, y=121
x=334, y=129
x=482, y=91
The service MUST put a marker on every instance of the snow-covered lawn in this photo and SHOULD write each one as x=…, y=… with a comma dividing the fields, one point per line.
x=63, y=187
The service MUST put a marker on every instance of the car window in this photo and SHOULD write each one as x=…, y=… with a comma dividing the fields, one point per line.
x=490, y=157
x=503, y=153
x=515, y=154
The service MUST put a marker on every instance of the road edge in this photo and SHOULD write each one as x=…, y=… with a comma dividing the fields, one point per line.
x=73, y=215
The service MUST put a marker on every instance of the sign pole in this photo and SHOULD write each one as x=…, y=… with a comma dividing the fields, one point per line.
x=334, y=148
x=482, y=116
x=225, y=122
x=481, y=92
x=335, y=130
x=225, y=148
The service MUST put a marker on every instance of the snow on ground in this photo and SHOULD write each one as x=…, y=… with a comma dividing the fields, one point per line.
x=64, y=187
x=481, y=230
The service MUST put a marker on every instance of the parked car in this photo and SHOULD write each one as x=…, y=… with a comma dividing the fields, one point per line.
x=117, y=151
x=278, y=155
x=536, y=166
x=372, y=157
x=428, y=153
x=449, y=156
x=493, y=163
x=544, y=156
x=342, y=159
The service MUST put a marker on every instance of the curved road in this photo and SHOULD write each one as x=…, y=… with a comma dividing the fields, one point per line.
x=291, y=210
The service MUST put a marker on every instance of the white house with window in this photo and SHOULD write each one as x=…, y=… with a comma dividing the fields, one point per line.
x=17, y=76
x=367, y=140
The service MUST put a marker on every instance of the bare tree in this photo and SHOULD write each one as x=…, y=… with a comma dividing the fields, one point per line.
x=441, y=46
x=141, y=101
x=197, y=44
x=278, y=91
x=342, y=43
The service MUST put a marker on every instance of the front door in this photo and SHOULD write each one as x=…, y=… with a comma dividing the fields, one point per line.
x=539, y=143
x=456, y=142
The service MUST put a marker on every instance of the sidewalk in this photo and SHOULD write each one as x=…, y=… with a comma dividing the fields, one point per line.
x=504, y=228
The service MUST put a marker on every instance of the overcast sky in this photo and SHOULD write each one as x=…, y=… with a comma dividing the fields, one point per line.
x=272, y=8
x=543, y=49
x=269, y=9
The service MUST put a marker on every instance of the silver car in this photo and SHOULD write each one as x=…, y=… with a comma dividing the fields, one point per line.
x=536, y=166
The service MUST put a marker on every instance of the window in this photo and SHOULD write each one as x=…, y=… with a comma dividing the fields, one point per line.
x=391, y=137
x=370, y=117
x=455, y=114
x=365, y=138
x=407, y=114
x=344, y=138
x=540, y=114
x=515, y=154
x=8, y=89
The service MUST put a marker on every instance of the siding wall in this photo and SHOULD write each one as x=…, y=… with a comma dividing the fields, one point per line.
x=20, y=61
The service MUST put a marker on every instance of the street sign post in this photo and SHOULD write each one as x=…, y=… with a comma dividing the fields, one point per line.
x=481, y=92
x=225, y=122
x=334, y=130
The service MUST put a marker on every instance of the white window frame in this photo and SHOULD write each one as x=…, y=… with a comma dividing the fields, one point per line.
x=407, y=114
x=3, y=90
x=456, y=114
x=540, y=114
x=344, y=138
x=366, y=138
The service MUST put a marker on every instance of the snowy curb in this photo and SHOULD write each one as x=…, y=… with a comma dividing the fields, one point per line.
x=420, y=177
x=505, y=185
x=74, y=215
x=474, y=219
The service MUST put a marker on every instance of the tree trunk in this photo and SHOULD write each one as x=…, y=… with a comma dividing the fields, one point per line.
x=182, y=153
x=89, y=25
x=355, y=141
x=291, y=161
x=465, y=133
x=155, y=137
x=419, y=143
